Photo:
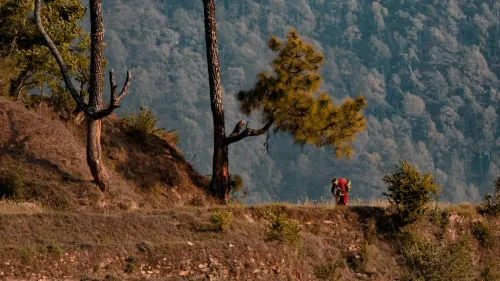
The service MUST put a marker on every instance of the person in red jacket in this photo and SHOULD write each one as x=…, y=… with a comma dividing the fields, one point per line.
x=340, y=190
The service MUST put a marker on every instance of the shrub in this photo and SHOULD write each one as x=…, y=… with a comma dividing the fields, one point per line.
x=330, y=271
x=410, y=192
x=491, y=272
x=482, y=232
x=432, y=261
x=492, y=202
x=370, y=231
x=283, y=229
x=130, y=266
x=12, y=183
x=174, y=136
x=237, y=188
x=54, y=250
x=141, y=125
x=221, y=220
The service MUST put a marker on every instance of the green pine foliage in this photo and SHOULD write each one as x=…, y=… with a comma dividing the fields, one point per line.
x=410, y=192
x=289, y=98
x=35, y=68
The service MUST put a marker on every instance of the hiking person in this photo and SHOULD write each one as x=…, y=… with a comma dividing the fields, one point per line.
x=340, y=190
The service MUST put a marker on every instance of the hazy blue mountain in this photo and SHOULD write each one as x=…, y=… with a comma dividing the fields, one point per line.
x=429, y=70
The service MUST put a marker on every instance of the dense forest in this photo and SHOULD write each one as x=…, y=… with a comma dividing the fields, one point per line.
x=428, y=70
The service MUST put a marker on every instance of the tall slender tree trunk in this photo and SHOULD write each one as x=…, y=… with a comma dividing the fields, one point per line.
x=94, y=149
x=94, y=110
x=94, y=152
x=220, y=173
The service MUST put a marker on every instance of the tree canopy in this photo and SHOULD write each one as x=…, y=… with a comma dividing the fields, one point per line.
x=289, y=100
x=35, y=68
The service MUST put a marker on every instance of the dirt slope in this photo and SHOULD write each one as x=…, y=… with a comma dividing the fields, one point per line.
x=49, y=155
x=354, y=243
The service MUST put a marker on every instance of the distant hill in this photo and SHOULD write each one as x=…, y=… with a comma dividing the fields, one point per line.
x=48, y=156
x=428, y=69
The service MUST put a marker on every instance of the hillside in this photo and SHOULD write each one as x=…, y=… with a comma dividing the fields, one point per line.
x=48, y=158
x=355, y=243
x=428, y=69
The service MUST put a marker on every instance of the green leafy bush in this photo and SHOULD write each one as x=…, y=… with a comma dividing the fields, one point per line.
x=283, y=229
x=432, y=261
x=12, y=183
x=141, y=125
x=492, y=201
x=482, y=232
x=410, y=192
x=221, y=220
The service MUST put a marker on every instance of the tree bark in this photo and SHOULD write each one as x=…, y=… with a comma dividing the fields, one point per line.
x=94, y=110
x=94, y=149
x=219, y=184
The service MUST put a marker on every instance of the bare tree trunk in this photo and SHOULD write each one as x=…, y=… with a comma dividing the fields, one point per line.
x=219, y=184
x=94, y=149
x=94, y=110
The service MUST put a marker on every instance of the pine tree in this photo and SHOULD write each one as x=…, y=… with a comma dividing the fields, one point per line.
x=95, y=109
x=27, y=61
x=288, y=101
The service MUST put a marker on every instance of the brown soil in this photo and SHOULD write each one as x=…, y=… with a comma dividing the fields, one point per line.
x=182, y=244
x=52, y=161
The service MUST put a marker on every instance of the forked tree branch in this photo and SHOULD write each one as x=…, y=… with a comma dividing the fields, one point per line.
x=64, y=69
x=92, y=113
x=238, y=135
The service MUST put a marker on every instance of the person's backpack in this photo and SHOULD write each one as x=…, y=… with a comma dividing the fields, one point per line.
x=343, y=183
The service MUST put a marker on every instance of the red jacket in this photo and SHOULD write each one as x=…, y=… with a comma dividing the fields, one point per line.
x=341, y=184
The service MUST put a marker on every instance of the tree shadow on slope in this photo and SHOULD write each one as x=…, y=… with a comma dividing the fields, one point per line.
x=384, y=223
x=155, y=161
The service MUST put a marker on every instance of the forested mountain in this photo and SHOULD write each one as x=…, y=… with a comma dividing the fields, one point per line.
x=429, y=70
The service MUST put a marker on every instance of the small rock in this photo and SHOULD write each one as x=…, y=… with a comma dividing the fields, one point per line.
x=231, y=245
x=190, y=244
x=184, y=273
x=256, y=271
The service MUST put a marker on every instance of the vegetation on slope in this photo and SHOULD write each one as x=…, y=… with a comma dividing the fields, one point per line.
x=186, y=243
x=44, y=160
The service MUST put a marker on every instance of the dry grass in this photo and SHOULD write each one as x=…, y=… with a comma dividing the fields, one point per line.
x=57, y=176
x=8, y=207
x=182, y=240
